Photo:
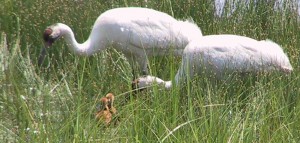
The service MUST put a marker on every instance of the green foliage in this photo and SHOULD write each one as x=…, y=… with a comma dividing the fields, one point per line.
x=57, y=102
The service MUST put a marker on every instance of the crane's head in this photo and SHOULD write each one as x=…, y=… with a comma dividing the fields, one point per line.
x=50, y=35
x=135, y=85
x=48, y=39
x=145, y=82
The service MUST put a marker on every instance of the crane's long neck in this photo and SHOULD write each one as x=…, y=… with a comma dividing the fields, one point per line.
x=87, y=48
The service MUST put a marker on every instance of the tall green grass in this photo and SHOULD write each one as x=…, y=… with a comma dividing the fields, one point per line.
x=57, y=102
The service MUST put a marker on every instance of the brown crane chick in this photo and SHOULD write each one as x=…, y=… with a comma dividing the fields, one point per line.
x=111, y=99
x=104, y=115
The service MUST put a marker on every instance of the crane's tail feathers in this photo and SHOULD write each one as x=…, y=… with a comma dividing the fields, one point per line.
x=191, y=30
x=281, y=58
x=190, y=19
x=286, y=69
x=271, y=44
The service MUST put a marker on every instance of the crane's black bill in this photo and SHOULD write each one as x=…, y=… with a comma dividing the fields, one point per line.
x=42, y=56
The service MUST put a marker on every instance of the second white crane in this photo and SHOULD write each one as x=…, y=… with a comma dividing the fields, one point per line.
x=221, y=54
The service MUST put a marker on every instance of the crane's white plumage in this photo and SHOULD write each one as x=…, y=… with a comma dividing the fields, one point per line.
x=220, y=54
x=136, y=32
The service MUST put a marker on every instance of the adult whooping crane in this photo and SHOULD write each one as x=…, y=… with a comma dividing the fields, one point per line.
x=136, y=32
x=220, y=54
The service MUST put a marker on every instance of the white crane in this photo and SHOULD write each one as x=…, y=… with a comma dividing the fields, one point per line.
x=220, y=54
x=136, y=32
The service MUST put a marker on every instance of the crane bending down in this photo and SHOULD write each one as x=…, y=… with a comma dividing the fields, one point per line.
x=136, y=32
x=220, y=54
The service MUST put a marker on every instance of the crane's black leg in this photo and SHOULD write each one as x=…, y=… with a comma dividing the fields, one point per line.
x=133, y=84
